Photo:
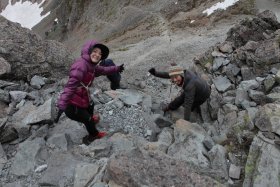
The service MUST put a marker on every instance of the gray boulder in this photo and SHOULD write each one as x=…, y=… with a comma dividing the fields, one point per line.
x=29, y=54
x=268, y=118
x=188, y=144
x=222, y=83
x=252, y=30
x=5, y=67
x=60, y=171
x=25, y=159
x=262, y=165
x=41, y=115
x=134, y=169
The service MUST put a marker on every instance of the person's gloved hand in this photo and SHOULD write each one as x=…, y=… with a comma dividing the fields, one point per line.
x=121, y=68
x=152, y=71
x=59, y=113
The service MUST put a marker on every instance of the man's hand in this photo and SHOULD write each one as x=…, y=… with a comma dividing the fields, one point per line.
x=152, y=71
x=121, y=68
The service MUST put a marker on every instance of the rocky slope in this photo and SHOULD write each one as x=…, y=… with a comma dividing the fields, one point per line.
x=125, y=22
x=233, y=144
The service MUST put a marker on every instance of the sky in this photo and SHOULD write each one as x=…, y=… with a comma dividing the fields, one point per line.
x=224, y=5
x=25, y=13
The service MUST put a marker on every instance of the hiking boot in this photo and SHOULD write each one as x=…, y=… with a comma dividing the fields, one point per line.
x=101, y=134
x=89, y=138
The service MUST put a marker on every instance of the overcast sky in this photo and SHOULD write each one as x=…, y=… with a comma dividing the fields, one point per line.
x=25, y=13
x=223, y=5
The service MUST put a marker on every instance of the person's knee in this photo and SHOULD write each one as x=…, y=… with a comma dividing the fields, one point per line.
x=109, y=62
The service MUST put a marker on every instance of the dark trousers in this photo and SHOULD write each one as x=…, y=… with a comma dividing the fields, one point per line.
x=113, y=78
x=84, y=116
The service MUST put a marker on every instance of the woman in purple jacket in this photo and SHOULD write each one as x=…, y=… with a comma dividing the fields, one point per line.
x=75, y=99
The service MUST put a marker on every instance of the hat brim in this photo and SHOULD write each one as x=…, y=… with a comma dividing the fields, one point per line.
x=176, y=73
x=104, y=50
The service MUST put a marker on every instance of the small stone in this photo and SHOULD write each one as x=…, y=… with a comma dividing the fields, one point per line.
x=41, y=168
x=234, y=171
x=149, y=133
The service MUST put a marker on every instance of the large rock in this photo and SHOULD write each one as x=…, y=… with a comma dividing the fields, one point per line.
x=165, y=139
x=268, y=118
x=28, y=54
x=25, y=159
x=41, y=115
x=252, y=30
x=218, y=160
x=17, y=120
x=84, y=173
x=5, y=67
x=134, y=169
x=263, y=163
x=72, y=129
x=222, y=83
x=61, y=170
x=188, y=144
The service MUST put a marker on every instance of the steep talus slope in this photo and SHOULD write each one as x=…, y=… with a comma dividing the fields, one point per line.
x=233, y=143
x=125, y=22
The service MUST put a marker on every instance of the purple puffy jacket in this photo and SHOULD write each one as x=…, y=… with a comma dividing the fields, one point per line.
x=82, y=74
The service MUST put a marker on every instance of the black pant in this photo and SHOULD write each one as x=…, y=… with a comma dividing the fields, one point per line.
x=113, y=78
x=84, y=116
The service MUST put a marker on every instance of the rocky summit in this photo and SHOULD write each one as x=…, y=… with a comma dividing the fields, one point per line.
x=235, y=142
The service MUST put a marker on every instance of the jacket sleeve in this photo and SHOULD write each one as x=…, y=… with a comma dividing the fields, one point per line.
x=164, y=75
x=177, y=102
x=106, y=70
x=188, y=100
x=75, y=77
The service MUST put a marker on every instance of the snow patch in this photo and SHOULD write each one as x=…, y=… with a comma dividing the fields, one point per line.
x=224, y=5
x=26, y=13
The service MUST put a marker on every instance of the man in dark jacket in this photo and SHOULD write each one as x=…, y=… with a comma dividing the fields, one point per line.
x=195, y=90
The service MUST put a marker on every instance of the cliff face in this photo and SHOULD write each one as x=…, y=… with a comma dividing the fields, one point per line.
x=125, y=21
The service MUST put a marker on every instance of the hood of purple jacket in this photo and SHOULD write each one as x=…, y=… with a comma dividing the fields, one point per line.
x=85, y=48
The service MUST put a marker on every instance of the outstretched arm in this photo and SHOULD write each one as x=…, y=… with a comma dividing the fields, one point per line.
x=108, y=70
x=159, y=74
x=177, y=102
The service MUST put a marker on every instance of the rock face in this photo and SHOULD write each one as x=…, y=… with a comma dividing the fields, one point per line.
x=262, y=166
x=134, y=169
x=26, y=54
x=251, y=76
x=253, y=30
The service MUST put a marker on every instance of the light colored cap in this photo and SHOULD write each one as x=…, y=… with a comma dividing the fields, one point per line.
x=175, y=70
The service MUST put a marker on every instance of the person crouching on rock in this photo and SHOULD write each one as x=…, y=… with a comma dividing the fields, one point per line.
x=75, y=99
x=195, y=90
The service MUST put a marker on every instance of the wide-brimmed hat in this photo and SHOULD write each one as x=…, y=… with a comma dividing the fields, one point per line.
x=104, y=50
x=175, y=70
